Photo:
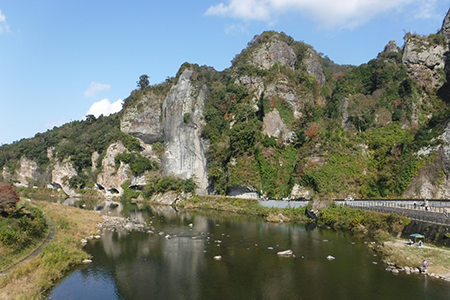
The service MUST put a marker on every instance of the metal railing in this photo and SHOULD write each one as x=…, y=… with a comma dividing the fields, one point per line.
x=436, y=211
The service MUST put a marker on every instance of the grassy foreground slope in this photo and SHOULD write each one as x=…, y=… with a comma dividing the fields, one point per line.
x=32, y=279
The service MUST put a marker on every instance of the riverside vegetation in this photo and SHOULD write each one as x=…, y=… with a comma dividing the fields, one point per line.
x=31, y=279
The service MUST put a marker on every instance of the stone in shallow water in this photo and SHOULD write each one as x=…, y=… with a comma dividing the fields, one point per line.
x=217, y=257
x=329, y=257
x=286, y=253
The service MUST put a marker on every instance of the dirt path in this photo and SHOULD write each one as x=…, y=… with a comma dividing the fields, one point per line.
x=35, y=252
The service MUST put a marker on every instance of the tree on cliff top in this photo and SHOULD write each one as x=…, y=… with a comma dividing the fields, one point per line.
x=8, y=198
x=143, y=82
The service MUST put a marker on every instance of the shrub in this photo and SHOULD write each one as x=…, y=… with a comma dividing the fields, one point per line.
x=8, y=198
x=138, y=163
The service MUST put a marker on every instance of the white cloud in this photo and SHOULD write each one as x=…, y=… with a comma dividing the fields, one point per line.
x=426, y=10
x=104, y=107
x=95, y=87
x=327, y=13
x=235, y=28
x=4, y=27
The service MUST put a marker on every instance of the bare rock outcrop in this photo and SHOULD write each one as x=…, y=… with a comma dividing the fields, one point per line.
x=242, y=192
x=445, y=30
x=61, y=173
x=274, y=125
x=425, y=61
x=184, y=153
x=273, y=52
x=254, y=84
x=283, y=90
x=313, y=67
x=433, y=180
x=391, y=47
x=109, y=181
x=143, y=120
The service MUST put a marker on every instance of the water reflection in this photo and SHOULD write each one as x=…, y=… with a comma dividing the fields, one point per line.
x=177, y=262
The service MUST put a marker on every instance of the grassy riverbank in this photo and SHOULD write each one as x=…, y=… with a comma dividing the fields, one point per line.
x=385, y=230
x=30, y=280
x=21, y=233
x=245, y=206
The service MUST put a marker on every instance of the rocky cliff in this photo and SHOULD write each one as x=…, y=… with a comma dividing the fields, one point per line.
x=144, y=120
x=184, y=153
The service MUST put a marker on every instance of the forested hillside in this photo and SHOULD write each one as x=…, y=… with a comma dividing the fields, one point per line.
x=282, y=119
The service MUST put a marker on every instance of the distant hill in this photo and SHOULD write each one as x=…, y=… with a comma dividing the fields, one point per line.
x=282, y=119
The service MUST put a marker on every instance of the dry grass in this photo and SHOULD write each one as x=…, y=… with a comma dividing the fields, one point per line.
x=32, y=279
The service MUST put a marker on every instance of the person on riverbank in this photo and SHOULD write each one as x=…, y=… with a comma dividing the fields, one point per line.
x=424, y=265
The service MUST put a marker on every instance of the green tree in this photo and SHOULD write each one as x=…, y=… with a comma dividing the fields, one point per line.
x=143, y=82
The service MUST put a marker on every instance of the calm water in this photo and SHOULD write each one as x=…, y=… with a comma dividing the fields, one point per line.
x=144, y=266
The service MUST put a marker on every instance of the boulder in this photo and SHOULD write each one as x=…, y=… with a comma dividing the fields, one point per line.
x=285, y=253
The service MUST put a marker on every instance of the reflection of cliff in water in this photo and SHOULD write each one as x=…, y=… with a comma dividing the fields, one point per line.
x=110, y=207
x=161, y=267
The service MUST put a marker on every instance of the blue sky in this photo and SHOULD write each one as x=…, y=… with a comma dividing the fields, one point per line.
x=60, y=60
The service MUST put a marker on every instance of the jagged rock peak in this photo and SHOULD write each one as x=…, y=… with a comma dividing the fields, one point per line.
x=390, y=47
x=267, y=49
x=445, y=30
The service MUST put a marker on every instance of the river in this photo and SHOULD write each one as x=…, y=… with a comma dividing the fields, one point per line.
x=178, y=262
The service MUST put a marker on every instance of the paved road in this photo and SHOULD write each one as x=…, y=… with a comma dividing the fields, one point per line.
x=35, y=252
x=414, y=214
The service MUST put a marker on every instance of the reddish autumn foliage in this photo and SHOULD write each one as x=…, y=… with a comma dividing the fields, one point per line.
x=312, y=131
x=338, y=76
x=8, y=198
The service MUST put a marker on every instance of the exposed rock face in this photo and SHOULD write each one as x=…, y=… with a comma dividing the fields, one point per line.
x=390, y=47
x=61, y=173
x=26, y=172
x=343, y=110
x=282, y=90
x=273, y=52
x=433, y=180
x=27, y=175
x=184, y=154
x=144, y=123
x=274, y=125
x=254, y=84
x=109, y=181
x=169, y=198
x=313, y=66
x=242, y=192
x=445, y=30
x=424, y=61
x=299, y=191
x=94, y=158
